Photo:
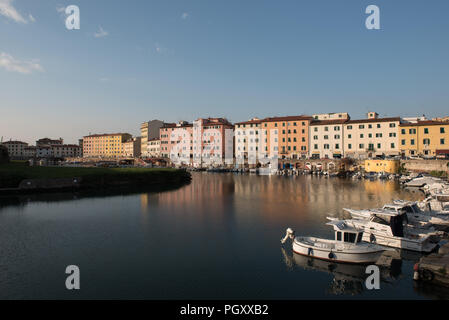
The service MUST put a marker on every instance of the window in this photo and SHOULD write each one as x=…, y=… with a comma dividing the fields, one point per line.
x=326, y=137
x=315, y=129
x=361, y=126
x=315, y=146
x=426, y=141
x=338, y=236
x=326, y=146
x=412, y=142
x=441, y=130
x=392, y=125
x=402, y=131
x=441, y=141
x=349, y=237
x=361, y=146
x=349, y=127
x=392, y=134
x=337, y=146
x=378, y=146
x=349, y=146
x=370, y=126
x=361, y=135
x=359, y=237
x=403, y=142
x=349, y=136
x=426, y=130
x=412, y=131
x=326, y=128
x=378, y=125
x=392, y=146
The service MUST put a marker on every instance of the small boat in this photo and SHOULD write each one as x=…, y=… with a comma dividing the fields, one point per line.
x=346, y=248
x=391, y=228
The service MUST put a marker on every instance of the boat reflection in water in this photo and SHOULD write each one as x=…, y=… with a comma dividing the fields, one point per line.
x=347, y=278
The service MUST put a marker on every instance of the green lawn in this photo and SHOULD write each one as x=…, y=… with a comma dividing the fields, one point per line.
x=12, y=173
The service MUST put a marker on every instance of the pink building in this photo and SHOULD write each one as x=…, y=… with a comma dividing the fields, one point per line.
x=205, y=141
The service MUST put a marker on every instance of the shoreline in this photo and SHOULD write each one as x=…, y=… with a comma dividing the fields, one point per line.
x=18, y=178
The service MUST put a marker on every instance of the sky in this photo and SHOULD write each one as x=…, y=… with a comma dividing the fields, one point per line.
x=136, y=60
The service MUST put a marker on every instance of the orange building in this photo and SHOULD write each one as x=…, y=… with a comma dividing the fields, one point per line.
x=287, y=136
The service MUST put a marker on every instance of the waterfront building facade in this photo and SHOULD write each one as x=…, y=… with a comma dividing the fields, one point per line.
x=424, y=138
x=49, y=142
x=108, y=145
x=154, y=148
x=16, y=149
x=327, y=138
x=288, y=137
x=149, y=130
x=131, y=148
x=382, y=165
x=213, y=141
x=249, y=142
x=371, y=137
x=61, y=151
x=176, y=136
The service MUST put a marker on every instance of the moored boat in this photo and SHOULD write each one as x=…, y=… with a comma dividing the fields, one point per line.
x=347, y=247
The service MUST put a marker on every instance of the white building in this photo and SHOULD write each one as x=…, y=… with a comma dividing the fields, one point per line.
x=16, y=149
x=249, y=142
x=154, y=148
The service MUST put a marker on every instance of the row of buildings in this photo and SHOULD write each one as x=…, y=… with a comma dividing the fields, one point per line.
x=331, y=135
x=44, y=148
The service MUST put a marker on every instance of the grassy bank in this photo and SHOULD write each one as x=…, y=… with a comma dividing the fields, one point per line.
x=13, y=173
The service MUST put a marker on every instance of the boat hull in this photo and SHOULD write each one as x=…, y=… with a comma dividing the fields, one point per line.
x=335, y=254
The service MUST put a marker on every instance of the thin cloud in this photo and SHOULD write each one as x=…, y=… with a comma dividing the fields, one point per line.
x=7, y=10
x=185, y=15
x=31, y=18
x=9, y=63
x=101, y=33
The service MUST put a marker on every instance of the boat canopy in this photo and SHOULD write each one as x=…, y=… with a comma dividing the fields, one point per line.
x=342, y=225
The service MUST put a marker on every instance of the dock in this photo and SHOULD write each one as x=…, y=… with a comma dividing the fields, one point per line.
x=434, y=268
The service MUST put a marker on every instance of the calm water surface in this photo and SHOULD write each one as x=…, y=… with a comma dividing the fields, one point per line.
x=216, y=238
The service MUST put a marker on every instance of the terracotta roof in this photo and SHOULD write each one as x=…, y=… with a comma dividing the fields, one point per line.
x=425, y=123
x=328, y=122
x=287, y=118
x=14, y=142
x=249, y=122
x=375, y=120
x=105, y=135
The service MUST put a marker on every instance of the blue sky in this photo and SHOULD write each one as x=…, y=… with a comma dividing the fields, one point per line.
x=137, y=60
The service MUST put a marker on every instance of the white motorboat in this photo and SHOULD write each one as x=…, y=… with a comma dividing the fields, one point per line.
x=416, y=218
x=346, y=248
x=415, y=214
x=390, y=228
x=422, y=181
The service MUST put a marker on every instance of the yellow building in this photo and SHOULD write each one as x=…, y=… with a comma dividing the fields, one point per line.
x=387, y=166
x=109, y=145
x=424, y=138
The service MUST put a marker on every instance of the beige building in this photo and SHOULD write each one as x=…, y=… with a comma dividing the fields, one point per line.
x=132, y=148
x=149, y=130
x=154, y=148
x=371, y=137
x=327, y=138
x=108, y=145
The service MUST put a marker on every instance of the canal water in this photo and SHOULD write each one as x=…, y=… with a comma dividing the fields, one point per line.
x=216, y=238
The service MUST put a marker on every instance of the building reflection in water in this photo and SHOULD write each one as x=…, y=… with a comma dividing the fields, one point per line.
x=231, y=198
